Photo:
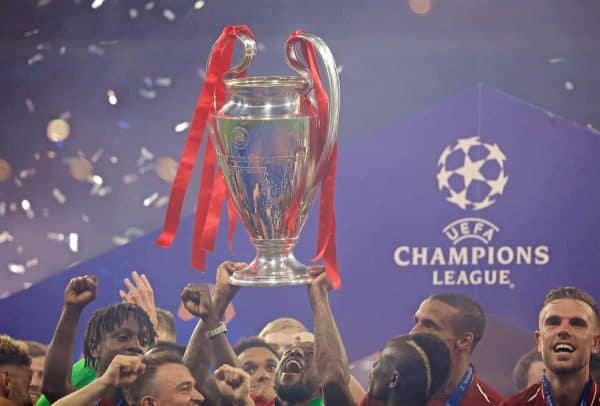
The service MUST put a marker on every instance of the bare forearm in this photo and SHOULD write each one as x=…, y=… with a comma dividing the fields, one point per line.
x=59, y=358
x=330, y=354
x=198, y=355
x=84, y=396
x=221, y=348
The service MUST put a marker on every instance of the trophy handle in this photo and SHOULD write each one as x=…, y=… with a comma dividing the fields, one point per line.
x=292, y=60
x=249, y=45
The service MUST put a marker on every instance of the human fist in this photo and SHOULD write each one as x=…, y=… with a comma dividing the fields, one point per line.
x=233, y=383
x=196, y=299
x=80, y=291
x=123, y=370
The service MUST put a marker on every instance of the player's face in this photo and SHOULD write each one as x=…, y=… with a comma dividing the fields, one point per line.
x=435, y=317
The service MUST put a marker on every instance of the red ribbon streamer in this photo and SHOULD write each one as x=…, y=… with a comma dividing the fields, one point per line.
x=326, y=247
x=211, y=194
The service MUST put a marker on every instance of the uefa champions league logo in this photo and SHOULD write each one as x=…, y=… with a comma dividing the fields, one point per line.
x=471, y=172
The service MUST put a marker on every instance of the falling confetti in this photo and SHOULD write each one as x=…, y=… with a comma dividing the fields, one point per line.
x=147, y=94
x=112, y=97
x=43, y=3
x=182, y=126
x=129, y=178
x=58, y=130
x=4, y=170
x=166, y=168
x=74, y=242
x=16, y=268
x=149, y=6
x=97, y=155
x=199, y=4
x=150, y=199
x=37, y=57
x=569, y=85
x=25, y=204
x=31, y=33
x=59, y=196
x=97, y=3
x=161, y=202
x=133, y=13
x=80, y=168
x=553, y=61
x=30, y=106
x=32, y=262
x=96, y=50
x=145, y=156
x=27, y=173
x=62, y=50
x=5, y=236
x=52, y=236
x=169, y=14
x=164, y=82
x=2, y=208
x=420, y=6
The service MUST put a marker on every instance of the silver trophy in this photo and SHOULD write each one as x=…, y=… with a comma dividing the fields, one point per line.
x=266, y=139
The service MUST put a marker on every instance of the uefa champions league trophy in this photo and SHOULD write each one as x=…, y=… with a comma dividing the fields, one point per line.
x=273, y=153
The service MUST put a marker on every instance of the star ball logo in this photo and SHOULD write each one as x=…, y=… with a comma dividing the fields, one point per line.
x=472, y=175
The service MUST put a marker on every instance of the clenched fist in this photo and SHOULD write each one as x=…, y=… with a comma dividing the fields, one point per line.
x=196, y=299
x=80, y=291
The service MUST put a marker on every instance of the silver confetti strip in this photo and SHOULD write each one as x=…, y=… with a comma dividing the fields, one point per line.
x=30, y=106
x=16, y=268
x=150, y=199
x=129, y=178
x=55, y=236
x=96, y=50
x=74, y=242
x=25, y=173
x=59, y=196
x=184, y=125
x=163, y=81
x=147, y=94
x=161, y=201
x=37, y=57
x=32, y=262
x=5, y=237
x=169, y=14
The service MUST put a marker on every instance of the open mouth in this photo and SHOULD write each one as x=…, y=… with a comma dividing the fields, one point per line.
x=292, y=367
x=563, y=348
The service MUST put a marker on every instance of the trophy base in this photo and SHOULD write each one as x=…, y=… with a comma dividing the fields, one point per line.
x=274, y=265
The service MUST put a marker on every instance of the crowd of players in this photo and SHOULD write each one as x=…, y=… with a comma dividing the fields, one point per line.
x=130, y=356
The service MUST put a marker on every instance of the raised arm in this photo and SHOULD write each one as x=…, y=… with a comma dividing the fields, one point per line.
x=330, y=355
x=59, y=358
x=196, y=299
x=198, y=354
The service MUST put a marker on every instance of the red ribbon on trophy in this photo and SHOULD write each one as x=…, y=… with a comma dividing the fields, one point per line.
x=213, y=189
x=326, y=248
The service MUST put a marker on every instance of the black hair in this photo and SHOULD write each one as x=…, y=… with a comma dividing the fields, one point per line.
x=422, y=361
x=107, y=319
x=252, y=342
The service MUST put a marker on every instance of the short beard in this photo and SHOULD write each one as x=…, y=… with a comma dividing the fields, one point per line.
x=299, y=392
x=565, y=371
